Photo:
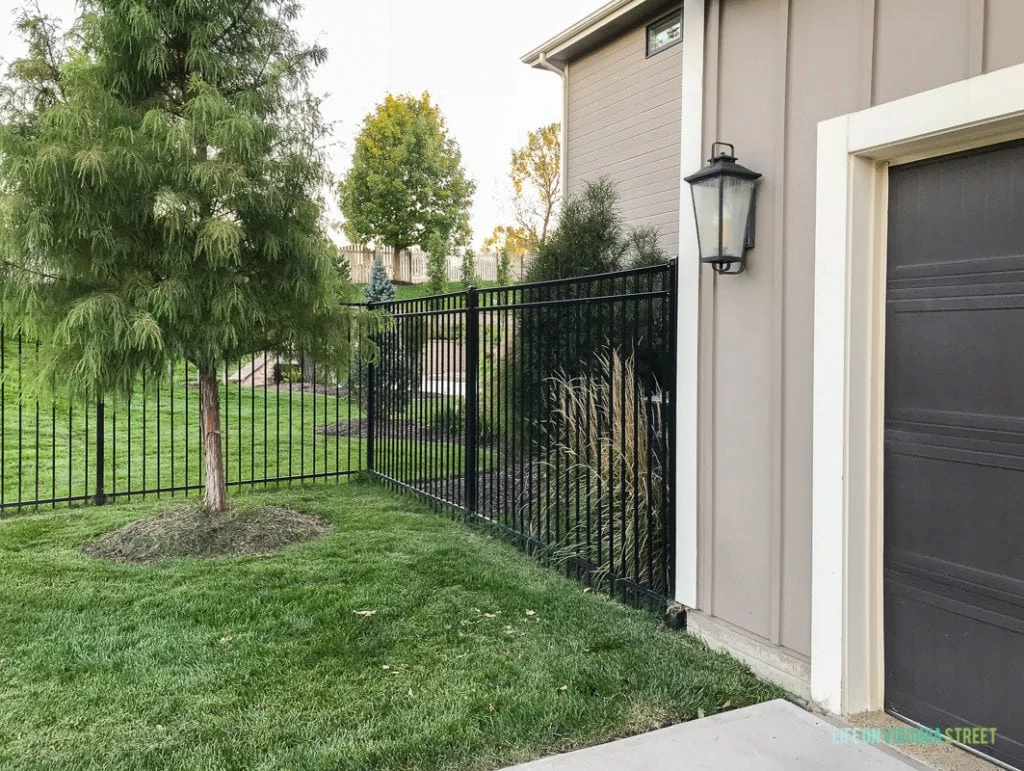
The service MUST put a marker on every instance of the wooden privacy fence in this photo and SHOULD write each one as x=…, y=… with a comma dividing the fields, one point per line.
x=412, y=265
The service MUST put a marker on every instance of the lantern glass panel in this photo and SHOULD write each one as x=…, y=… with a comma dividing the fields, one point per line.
x=706, y=200
x=737, y=196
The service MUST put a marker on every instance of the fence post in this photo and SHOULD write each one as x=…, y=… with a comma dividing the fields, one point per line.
x=371, y=408
x=100, y=497
x=471, y=397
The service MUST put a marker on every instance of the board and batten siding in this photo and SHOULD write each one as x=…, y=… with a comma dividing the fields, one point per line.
x=623, y=122
x=774, y=69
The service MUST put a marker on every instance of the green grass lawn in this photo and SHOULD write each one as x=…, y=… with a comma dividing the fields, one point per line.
x=266, y=434
x=476, y=657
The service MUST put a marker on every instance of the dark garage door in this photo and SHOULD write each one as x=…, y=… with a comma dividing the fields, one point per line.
x=954, y=445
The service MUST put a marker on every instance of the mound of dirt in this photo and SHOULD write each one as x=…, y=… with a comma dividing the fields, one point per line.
x=194, y=532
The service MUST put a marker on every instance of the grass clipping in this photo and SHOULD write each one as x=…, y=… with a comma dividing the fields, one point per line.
x=196, y=532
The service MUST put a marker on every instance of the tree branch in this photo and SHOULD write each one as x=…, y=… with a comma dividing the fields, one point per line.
x=16, y=266
x=231, y=27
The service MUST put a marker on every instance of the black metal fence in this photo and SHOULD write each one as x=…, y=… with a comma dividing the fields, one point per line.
x=542, y=409
x=283, y=419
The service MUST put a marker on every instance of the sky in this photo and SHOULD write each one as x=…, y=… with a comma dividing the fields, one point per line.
x=464, y=52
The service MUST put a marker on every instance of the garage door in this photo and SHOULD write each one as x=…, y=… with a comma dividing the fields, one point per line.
x=954, y=446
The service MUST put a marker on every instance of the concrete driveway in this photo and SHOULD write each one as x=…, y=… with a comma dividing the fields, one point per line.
x=775, y=736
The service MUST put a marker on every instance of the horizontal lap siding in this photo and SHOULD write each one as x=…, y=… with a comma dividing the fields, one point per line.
x=624, y=122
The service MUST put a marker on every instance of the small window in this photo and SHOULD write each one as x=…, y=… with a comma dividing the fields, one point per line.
x=664, y=33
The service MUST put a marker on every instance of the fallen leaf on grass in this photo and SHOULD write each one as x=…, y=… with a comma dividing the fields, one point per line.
x=588, y=589
x=564, y=688
x=410, y=692
x=727, y=704
x=365, y=613
x=226, y=639
x=386, y=666
x=531, y=613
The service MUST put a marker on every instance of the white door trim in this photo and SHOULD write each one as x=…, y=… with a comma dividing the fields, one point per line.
x=688, y=308
x=854, y=152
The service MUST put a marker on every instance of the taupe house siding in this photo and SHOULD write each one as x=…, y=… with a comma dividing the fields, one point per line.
x=773, y=70
x=624, y=122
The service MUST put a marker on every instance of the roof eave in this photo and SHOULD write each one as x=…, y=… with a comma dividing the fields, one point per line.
x=559, y=49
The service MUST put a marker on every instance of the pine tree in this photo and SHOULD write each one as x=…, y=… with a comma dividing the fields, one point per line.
x=163, y=203
x=378, y=288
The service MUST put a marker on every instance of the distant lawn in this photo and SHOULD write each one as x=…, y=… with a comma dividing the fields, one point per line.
x=268, y=434
x=476, y=657
x=416, y=291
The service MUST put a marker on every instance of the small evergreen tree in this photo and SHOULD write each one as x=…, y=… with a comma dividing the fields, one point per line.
x=378, y=288
x=467, y=271
x=437, y=263
x=161, y=201
x=400, y=364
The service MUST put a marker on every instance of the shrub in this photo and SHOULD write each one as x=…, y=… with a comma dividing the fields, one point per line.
x=447, y=420
x=607, y=430
x=398, y=372
x=287, y=373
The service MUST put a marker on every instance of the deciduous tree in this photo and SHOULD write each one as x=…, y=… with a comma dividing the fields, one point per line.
x=160, y=201
x=406, y=181
x=537, y=182
x=515, y=239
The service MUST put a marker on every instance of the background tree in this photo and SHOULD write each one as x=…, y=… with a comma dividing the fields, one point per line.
x=592, y=237
x=161, y=203
x=504, y=267
x=437, y=263
x=467, y=269
x=537, y=183
x=407, y=181
x=378, y=287
x=510, y=243
x=516, y=239
x=33, y=82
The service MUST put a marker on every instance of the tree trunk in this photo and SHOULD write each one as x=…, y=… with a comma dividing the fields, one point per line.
x=216, y=495
x=396, y=267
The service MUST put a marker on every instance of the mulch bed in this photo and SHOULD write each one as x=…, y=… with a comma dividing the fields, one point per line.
x=195, y=532
x=412, y=430
x=499, y=493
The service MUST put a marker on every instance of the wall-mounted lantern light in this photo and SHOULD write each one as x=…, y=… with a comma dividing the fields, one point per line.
x=723, y=203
